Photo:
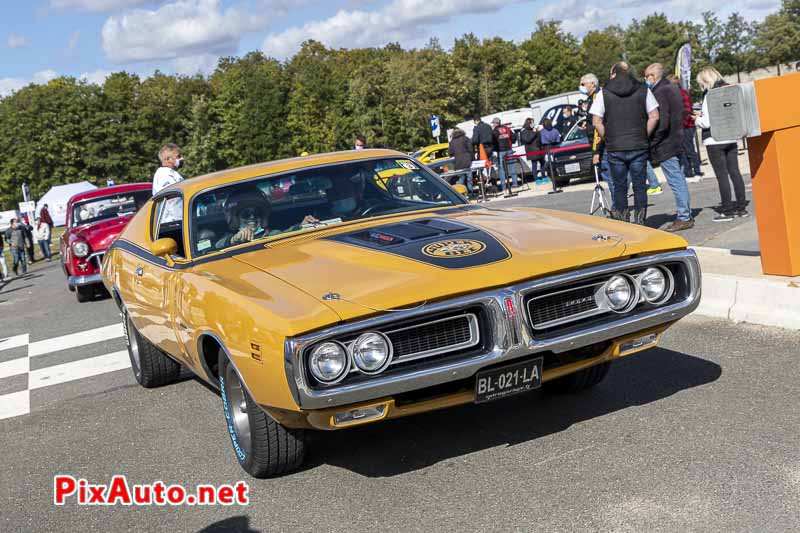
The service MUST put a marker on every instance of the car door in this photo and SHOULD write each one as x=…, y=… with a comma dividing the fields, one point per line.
x=155, y=279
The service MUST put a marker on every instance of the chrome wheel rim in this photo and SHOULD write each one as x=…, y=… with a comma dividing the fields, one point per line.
x=133, y=347
x=237, y=403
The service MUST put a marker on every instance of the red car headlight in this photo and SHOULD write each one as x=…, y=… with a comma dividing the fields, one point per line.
x=80, y=249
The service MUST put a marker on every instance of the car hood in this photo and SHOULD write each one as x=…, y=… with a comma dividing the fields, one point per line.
x=100, y=235
x=397, y=262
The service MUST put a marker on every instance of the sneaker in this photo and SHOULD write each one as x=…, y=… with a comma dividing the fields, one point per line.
x=655, y=191
x=741, y=213
x=722, y=217
x=545, y=181
x=680, y=225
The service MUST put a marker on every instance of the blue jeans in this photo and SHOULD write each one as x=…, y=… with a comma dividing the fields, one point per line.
x=501, y=171
x=633, y=162
x=652, y=179
x=605, y=173
x=677, y=182
x=466, y=180
x=18, y=255
x=45, y=248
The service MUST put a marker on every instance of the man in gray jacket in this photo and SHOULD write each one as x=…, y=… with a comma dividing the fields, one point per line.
x=666, y=145
x=15, y=236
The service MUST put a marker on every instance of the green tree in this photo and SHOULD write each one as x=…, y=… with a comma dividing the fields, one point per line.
x=777, y=39
x=555, y=54
x=601, y=49
x=653, y=40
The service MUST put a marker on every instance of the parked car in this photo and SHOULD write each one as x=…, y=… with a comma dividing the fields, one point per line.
x=432, y=153
x=94, y=219
x=573, y=157
x=354, y=298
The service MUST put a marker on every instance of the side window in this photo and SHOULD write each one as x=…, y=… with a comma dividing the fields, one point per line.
x=168, y=221
x=578, y=131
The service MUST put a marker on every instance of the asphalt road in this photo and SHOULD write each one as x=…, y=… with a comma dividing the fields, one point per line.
x=699, y=434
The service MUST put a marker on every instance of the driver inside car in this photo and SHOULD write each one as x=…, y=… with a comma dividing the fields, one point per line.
x=247, y=214
x=344, y=198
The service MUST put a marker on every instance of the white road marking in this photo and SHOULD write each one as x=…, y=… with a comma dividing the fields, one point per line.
x=74, y=340
x=15, y=367
x=15, y=404
x=93, y=366
x=13, y=342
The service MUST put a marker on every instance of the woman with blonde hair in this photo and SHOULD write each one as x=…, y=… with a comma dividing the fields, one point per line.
x=723, y=155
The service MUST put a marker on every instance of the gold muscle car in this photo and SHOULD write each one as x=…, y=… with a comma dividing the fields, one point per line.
x=314, y=293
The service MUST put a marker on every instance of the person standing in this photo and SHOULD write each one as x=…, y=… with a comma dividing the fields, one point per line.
x=549, y=136
x=41, y=233
x=15, y=236
x=723, y=155
x=504, y=139
x=590, y=88
x=529, y=136
x=690, y=161
x=3, y=265
x=482, y=136
x=360, y=142
x=171, y=160
x=29, y=245
x=666, y=146
x=625, y=114
x=568, y=119
x=44, y=214
x=461, y=150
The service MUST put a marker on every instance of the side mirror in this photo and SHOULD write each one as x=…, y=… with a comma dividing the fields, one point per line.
x=460, y=189
x=164, y=248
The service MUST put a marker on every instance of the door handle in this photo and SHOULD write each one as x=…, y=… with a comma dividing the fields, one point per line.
x=139, y=271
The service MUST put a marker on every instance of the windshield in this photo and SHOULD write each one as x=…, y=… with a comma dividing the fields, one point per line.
x=418, y=154
x=578, y=132
x=118, y=205
x=312, y=198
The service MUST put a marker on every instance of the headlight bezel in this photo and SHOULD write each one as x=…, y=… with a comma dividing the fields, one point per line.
x=312, y=367
x=669, y=285
x=84, y=250
x=632, y=300
x=389, y=355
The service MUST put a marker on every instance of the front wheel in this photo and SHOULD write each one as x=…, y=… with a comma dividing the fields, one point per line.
x=84, y=293
x=578, y=381
x=262, y=446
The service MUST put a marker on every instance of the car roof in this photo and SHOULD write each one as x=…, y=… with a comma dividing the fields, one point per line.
x=107, y=191
x=192, y=186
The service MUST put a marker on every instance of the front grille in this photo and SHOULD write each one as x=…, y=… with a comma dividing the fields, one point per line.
x=551, y=309
x=424, y=339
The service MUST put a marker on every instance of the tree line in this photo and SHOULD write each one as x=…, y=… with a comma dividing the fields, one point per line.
x=255, y=108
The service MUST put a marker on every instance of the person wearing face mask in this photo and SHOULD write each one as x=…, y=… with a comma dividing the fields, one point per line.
x=247, y=214
x=590, y=88
x=360, y=142
x=171, y=160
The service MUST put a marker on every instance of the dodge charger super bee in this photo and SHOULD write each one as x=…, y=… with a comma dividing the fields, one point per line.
x=335, y=290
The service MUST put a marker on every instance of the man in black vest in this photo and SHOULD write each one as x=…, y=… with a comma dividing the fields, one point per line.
x=666, y=146
x=625, y=114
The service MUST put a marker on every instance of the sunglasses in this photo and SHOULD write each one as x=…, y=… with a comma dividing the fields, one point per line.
x=250, y=212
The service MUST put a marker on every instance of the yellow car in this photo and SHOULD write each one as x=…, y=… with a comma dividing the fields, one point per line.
x=313, y=298
x=432, y=153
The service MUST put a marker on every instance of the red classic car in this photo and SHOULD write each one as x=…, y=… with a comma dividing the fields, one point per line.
x=94, y=219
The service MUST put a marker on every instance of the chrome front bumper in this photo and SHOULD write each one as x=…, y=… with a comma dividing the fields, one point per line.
x=80, y=281
x=511, y=339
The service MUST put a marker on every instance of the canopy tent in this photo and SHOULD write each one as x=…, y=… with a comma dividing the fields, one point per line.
x=57, y=197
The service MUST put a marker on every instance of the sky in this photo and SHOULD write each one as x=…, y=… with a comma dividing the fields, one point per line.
x=44, y=39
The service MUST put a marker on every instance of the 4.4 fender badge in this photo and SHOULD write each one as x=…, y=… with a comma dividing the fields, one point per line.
x=451, y=248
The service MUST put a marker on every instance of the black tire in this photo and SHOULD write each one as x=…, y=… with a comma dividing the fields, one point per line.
x=85, y=293
x=561, y=183
x=265, y=448
x=578, y=381
x=151, y=367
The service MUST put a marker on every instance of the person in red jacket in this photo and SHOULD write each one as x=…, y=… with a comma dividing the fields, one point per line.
x=690, y=161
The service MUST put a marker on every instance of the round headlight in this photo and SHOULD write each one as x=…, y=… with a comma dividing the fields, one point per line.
x=328, y=362
x=619, y=292
x=372, y=352
x=80, y=249
x=653, y=284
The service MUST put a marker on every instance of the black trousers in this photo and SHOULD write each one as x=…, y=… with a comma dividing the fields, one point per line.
x=725, y=162
x=690, y=160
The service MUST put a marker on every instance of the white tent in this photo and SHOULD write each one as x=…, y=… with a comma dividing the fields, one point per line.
x=57, y=197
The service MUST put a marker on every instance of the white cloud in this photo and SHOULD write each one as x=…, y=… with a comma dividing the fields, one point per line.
x=587, y=15
x=203, y=64
x=73, y=39
x=97, y=77
x=183, y=28
x=17, y=41
x=10, y=85
x=98, y=5
x=401, y=20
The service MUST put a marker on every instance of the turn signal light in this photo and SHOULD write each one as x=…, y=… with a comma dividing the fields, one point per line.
x=638, y=343
x=359, y=415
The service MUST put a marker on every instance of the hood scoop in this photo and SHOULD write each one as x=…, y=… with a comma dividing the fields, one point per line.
x=417, y=230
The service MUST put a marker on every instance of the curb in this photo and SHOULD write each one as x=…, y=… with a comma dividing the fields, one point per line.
x=764, y=301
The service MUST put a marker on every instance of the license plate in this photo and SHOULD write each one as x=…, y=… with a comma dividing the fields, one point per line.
x=508, y=380
x=569, y=168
